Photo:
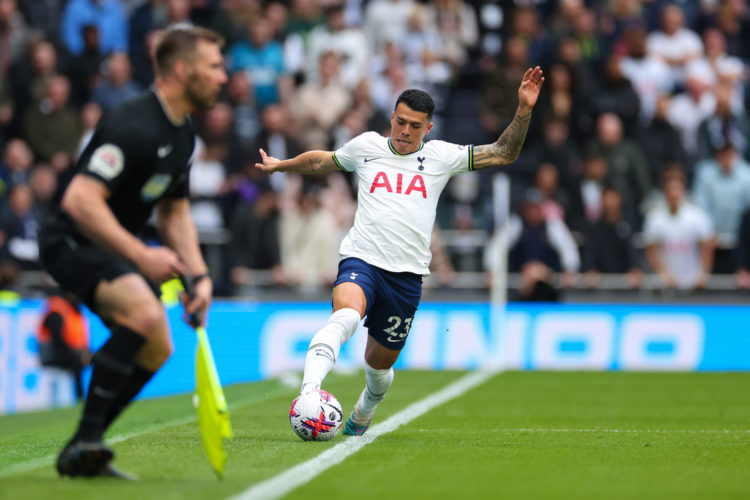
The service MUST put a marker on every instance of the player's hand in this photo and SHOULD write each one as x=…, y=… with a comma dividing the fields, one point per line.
x=531, y=85
x=197, y=307
x=159, y=264
x=269, y=162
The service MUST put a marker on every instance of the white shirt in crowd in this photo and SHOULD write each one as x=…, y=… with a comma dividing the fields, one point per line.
x=684, y=43
x=397, y=199
x=678, y=237
x=650, y=77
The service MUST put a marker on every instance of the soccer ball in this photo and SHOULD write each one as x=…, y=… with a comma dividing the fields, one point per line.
x=316, y=416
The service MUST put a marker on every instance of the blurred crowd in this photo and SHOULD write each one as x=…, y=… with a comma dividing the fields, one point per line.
x=637, y=159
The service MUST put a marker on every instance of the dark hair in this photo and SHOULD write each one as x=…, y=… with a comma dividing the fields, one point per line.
x=180, y=43
x=418, y=100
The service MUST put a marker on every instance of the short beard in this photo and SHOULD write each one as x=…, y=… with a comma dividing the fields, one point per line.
x=195, y=97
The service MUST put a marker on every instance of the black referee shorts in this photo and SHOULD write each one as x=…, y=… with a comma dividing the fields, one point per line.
x=78, y=268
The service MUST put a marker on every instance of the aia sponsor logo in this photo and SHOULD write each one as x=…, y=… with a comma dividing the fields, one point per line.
x=416, y=184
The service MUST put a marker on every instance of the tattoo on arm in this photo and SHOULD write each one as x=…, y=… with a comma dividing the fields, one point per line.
x=506, y=149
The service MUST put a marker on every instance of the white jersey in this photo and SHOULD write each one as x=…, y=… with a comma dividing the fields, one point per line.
x=397, y=200
x=678, y=237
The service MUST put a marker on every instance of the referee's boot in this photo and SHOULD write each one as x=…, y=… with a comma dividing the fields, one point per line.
x=110, y=470
x=83, y=458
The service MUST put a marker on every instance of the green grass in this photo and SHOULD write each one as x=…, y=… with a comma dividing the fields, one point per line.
x=519, y=435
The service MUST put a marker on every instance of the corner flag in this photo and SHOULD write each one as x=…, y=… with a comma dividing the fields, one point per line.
x=213, y=415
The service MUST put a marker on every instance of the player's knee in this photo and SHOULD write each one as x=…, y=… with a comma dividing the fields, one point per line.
x=146, y=316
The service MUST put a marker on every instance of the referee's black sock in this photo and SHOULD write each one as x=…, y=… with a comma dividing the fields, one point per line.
x=113, y=365
x=138, y=378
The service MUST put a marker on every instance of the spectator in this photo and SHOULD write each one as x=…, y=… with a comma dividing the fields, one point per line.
x=303, y=17
x=84, y=71
x=679, y=238
x=276, y=140
x=499, y=84
x=591, y=45
x=722, y=190
x=63, y=337
x=43, y=184
x=650, y=76
x=586, y=199
x=614, y=94
x=107, y=15
x=539, y=247
x=337, y=36
x=13, y=34
x=525, y=26
x=729, y=70
x=724, y=125
x=20, y=225
x=7, y=106
x=457, y=24
x=118, y=86
x=178, y=13
x=688, y=110
x=387, y=21
x=608, y=243
x=655, y=137
x=561, y=99
x=556, y=202
x=52, y=126
x=246, y=121
x=319, y=105
x=262, y=58
x=16, y=164
x=44, y=15
x=30, y=76
x=557, y=148
x=143, y=68
x=90, y=115
x=255, y=237
x=207, y=185
x=309, y=242
x=624, y=156
x=674, y=43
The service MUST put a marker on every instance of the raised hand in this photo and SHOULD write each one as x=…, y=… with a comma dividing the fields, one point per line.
x=531, y=84
x=268, y=164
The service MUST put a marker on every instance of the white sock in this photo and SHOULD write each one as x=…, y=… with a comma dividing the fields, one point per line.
x=325, y=347
x=378, y=383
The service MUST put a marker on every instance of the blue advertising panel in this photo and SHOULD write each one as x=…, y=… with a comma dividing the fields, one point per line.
x=254, y=341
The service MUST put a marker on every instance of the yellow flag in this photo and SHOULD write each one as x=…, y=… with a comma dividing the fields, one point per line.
x=213, y=416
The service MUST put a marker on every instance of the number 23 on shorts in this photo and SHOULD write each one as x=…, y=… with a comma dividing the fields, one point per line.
x=392, y=331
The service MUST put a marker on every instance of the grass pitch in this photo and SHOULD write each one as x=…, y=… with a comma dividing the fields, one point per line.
x=518, y=435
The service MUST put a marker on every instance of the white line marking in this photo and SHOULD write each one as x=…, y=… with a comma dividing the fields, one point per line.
x=541, y=430
x=289, y=480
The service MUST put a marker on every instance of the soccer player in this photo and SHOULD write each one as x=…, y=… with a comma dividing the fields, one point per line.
x=386, y=252
x=138, y=159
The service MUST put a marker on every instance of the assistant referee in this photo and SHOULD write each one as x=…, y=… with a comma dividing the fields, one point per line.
x=138, y=159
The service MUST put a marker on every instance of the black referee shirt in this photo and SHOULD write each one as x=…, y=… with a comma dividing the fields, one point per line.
x=141, y=156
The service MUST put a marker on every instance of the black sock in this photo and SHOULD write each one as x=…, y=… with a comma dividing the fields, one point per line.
x=113, y=364
x=138, y=378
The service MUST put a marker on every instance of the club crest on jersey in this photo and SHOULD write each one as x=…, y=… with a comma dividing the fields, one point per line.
x=416, y=185
x=421, y=159
x=155, y=187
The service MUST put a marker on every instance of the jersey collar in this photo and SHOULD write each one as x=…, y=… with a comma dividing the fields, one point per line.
x=393, y=150
x=165, y=108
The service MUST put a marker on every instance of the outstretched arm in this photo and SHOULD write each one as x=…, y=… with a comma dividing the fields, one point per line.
x=506, y=149
x=311, y=162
